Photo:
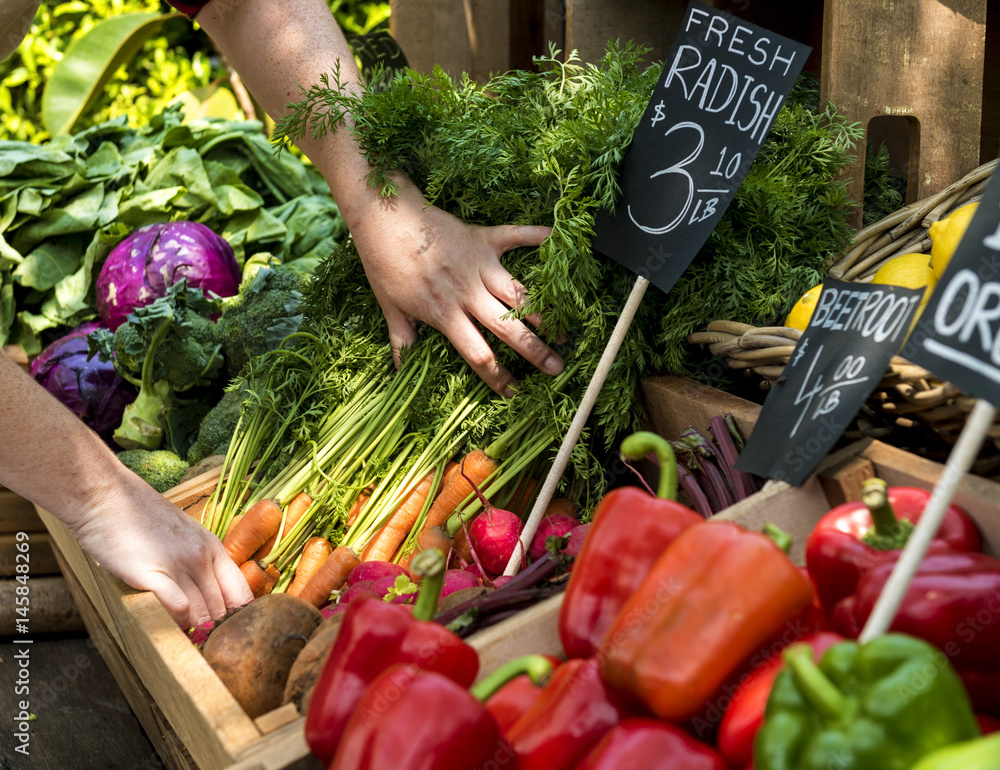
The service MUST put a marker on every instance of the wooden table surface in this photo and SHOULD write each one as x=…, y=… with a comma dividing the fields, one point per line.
x=82, y=719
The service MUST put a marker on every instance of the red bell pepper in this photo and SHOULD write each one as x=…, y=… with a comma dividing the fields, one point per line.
x=629, y=531
x=375, y=635
x=714, y=596
x=409, y=718
x=509, y=703
x=851, y=537
x=650, y=744
x=571, y=715
x=953, y=602
x=745, y=714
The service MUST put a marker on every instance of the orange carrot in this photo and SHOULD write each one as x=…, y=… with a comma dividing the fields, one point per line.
x=235, y=520
x=257, y=525
x=562, y=505
x=525, y=491
x=295, y=511
x=273, y=576
x=256, y=577
x=478, y=467
x=387, y=540
x=330, y=577
x=461, y=545
x=314, y=553
x=435, y=537
x=358, y=506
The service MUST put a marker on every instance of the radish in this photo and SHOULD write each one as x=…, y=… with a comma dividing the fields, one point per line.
x=374, y=570
x=494, y=536
x=457, y=580
x=555, y=525
x=477, y=573
x=364, y=588
x=576, y=537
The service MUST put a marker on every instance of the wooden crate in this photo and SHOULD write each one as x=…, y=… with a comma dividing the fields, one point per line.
x=188, y=714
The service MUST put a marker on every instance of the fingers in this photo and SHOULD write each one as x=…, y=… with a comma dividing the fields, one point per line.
x=507, y=237
x=187, y=608
x=491, y=313
x=402, y=331
x=477, y=353
x=233, y=588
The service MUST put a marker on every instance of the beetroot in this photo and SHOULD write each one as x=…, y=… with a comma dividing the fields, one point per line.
x=458, y=579
x=374, y=570
x=494, y=535
x=556, y=525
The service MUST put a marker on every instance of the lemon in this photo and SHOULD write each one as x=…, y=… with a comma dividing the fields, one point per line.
x=945, y=235
x=798, y=317
x=911, y=271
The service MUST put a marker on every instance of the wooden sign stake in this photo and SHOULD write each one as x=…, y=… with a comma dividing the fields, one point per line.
x=959, y=461
x=576, y=427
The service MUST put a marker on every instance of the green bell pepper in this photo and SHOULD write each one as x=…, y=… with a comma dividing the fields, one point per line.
x=884, y=704
x=977, y=754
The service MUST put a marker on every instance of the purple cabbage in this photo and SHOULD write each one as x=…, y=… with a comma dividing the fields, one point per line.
x=90, y=389
x=142, y=266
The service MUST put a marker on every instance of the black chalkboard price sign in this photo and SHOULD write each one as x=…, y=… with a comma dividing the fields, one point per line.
x=721, y=88
x=854, y=332
x=958, y=334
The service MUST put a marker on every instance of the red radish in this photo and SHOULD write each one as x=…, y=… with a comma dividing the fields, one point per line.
x=494, y=537
x=374, y=570
x=333, y=609
x=556, y=525
x=458, y=579
x=364, y=588
x=576, y=537
x=477, y=573
x=385, y=584
x=501, y=581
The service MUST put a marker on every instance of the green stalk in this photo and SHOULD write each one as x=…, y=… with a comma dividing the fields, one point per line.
x=430, y=566
x=890, y=532
x=537, y=667
x=640, y=444
x=814, y=685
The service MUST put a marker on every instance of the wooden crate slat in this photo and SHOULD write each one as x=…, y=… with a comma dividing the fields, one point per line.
x=17, y=514
x=41, y=559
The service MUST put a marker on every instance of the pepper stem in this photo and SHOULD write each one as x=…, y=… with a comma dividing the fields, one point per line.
x=890, y=532
x=638, y=445
x=810, y=680
x=430, y=566
x=778, y=536
x=537, y=667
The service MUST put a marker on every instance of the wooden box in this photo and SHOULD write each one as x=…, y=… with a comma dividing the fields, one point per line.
x=188, y=714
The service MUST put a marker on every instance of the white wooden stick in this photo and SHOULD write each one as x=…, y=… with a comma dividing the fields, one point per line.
x=576, y=427
x=959, y=461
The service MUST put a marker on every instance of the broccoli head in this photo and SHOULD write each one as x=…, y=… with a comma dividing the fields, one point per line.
x=160, y=468
x=217, y=428
x=164, y=348
x=265, y=311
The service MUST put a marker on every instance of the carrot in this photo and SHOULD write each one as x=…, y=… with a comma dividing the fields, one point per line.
x=295, y=511
x=461, y=545
x=564, y=506
x=256, y=577
x=522, y=496
x=273, y=576
x=358, y=506
x=387, y=540
x=330, y=576
x=257, y=525
x=314, y=553
x=434, y=537
x=236, y=519
x=478, y=467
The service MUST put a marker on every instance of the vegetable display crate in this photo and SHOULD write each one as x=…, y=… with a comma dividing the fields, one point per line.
x=189, y=715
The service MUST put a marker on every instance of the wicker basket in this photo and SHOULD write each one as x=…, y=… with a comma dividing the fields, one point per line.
x=910, y=407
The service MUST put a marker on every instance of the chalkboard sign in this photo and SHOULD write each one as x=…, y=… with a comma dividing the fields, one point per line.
x=854, y=332
x=958, y=334
x=721, y=88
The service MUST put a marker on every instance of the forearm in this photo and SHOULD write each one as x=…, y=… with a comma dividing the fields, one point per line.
x=48, y=455
x=278, y=45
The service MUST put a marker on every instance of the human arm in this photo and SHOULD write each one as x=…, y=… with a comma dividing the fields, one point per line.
x=423, y=263
x=50, y=457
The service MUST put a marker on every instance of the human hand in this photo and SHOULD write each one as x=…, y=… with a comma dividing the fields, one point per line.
x=152, y=545
x=426, y=265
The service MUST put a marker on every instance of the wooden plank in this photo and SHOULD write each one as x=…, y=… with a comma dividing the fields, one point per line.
x=529, y=631
x=51, y=607
x=17, y=514
x=590, y=24
x=168, y=746
x=284, y=749
x=918, y=59
x=676, y=403
x=41, y=559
